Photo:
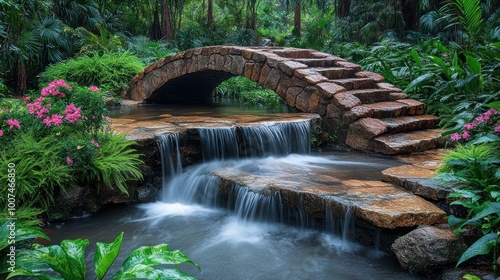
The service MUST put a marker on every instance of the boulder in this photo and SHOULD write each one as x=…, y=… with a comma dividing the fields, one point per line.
x=428, y=248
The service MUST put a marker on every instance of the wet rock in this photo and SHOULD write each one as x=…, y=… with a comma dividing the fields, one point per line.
x=76, y=201
x=418, y=180
x=458, y=274
x=428, y=248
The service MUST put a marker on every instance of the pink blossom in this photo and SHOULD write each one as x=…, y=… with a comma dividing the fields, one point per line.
x=480, y=119
x=1, y=133
x=94, y=89
x=72, y=113
x=47, y=121
x=57, y=119
x=26, y=98
x=465, y=134
x=108, y=119
x=469, y=126
x=95, y=143
x=496, y=129
x=69, y=161
x=13, y=123
x=455, y=137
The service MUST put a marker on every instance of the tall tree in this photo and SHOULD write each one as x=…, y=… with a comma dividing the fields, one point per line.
x=210, y=13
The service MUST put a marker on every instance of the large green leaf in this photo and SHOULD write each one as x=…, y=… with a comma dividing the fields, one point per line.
x=27, y=272
x=147, y=272
x=153, y=255
x=105, y=255
x=495, y=105
x=474, y=65
x=75, y=250
x=481, y=247
x=490, y=209
x=22, y=233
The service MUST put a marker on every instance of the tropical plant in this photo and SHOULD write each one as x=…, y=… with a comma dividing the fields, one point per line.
x=110, y=71
x=474, y=168
x=68, y=260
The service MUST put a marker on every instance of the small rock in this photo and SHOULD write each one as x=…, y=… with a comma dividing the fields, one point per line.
x=428, y=248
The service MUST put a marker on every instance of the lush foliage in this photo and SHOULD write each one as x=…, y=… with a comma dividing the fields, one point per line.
x=62, y=136
x=249, y=92
x=68, y=258
x=474, y=166
x=110, y=71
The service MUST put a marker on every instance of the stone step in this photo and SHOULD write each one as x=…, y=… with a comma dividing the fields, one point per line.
x=378, y=203
x=356, y=83
x=394, y=109
x=333, y=73
x=410, y=123
x=408, y=142
x=369, y=96
x=316, y=62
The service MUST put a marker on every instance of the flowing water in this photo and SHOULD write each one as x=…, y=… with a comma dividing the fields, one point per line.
x=252, y=237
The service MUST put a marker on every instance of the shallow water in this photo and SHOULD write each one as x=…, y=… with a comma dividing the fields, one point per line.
x=227, y=247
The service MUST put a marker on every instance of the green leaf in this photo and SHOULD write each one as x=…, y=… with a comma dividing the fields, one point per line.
x=474, y=65
x=492, y=208
x=75, y=250
x=105, y=255
x=418, y=80
x=481, y=247
x=495, y=105
x=26, y=272
x=416, y=58
x=147, y=272
x=22, y=233
x=471, y=277
x=153, y=255
x=454, y=221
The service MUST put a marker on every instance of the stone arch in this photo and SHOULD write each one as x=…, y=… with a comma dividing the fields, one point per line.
x=358, y=106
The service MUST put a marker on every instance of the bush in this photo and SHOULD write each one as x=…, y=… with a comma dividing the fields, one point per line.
x=111, y=71
x=62, y=136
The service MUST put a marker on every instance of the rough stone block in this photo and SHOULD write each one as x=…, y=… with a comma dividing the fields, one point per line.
x=428, y=248
x=302, y=101
x=356, y=113
x=346, y=101
x=237, y=65
x=273, y=79
x=328, y=90
x=291, y=95
x=366, y=74
x=289, y=67
x=333, y=111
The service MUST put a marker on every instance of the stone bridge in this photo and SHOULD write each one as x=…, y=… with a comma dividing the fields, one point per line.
x=357, y=106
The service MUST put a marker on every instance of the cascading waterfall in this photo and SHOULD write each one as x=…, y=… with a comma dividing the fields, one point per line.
x=343, y=225
x=218, y=143
x=222, y=147
x=276, y=139
x=168, y=145
x=252, y=206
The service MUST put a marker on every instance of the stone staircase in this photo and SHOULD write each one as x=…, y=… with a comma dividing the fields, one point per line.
x=380, y=117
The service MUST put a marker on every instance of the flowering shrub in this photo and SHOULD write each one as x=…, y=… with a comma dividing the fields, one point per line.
x=474, y=168
x=484, y=125
x=62, y=135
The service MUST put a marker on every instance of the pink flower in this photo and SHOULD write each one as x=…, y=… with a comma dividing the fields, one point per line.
x=496, y=129
x=480, y=119
x=469, y=126
x=1, y=133
x=26, y=98
x=57, y=119
x=465, y=135
x=47, y=121
x=455, y=137
x=13, y=123
x=69, y=161
x=108, y=119
x=94, y=89
x=95, y=143
x=72, y=113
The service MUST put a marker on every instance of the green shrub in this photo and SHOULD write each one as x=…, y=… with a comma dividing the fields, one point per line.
x=474, y=168
x=249, y=92
x=111, y=71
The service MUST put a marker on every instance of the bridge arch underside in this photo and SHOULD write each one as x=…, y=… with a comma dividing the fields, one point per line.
x=357, y=107
x=192, y=88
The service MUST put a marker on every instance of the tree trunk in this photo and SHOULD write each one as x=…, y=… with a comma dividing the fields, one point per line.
x=167, y=31
x=155, y=28
x=297, y=19
x=342, y=8
x=21, y=78
x=210, y=13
